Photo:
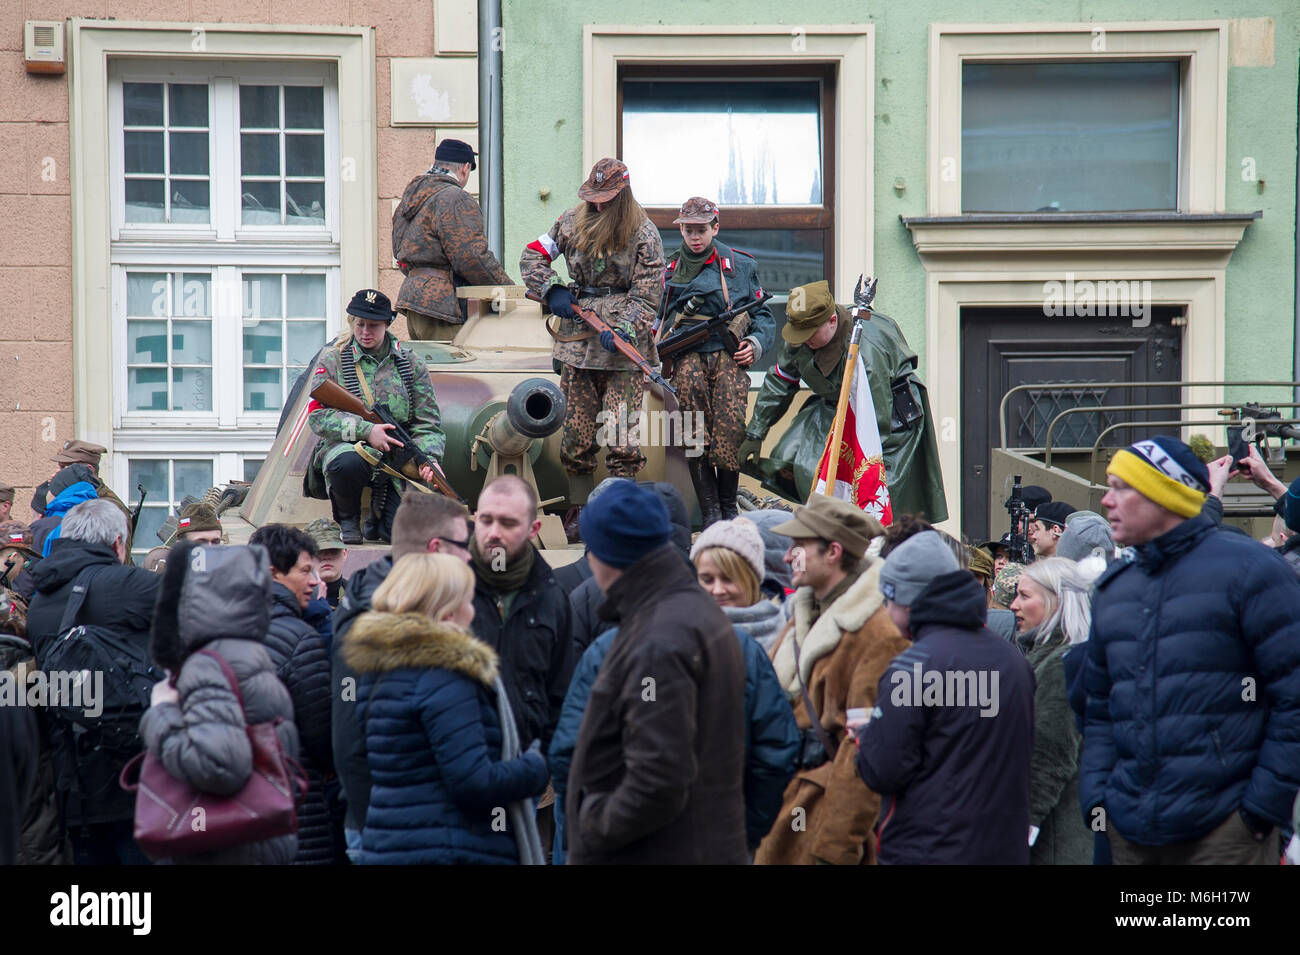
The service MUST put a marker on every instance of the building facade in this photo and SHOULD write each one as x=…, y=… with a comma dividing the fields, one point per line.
x=1043, y=198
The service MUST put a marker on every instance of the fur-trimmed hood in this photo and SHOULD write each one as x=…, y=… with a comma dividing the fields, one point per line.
x=848, y=614
x=381, y=642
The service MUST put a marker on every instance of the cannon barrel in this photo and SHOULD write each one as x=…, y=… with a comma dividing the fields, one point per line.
x=535, y=409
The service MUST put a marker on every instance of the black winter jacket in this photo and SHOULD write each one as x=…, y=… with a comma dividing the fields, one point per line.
x=302, y=664
x=533, y=646
x=122, y=599
x=952, y=766
x=347, y=740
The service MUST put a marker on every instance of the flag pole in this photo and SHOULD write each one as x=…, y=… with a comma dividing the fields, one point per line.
x=841, y=408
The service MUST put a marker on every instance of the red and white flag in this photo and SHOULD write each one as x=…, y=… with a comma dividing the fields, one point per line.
x=860, y=467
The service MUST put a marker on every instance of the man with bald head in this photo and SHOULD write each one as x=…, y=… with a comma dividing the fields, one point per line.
x=519, y=609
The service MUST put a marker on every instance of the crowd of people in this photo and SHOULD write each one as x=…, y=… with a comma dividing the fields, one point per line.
x=789, y=687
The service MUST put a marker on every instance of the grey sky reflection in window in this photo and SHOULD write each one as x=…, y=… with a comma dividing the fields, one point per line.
x=737, y=142
x=1069, y=137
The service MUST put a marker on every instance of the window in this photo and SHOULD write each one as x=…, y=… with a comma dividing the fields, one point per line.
x=225, y=261
x=760, y=143
x=1069, y=137
x=166, y=482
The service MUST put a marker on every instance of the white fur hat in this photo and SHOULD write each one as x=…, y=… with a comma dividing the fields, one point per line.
x=737, y=535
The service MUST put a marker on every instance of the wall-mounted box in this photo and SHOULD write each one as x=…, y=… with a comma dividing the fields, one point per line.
x=43, y=46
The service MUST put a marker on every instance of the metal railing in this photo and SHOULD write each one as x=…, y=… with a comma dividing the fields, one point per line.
x=1096, y=445
x=1064, y=386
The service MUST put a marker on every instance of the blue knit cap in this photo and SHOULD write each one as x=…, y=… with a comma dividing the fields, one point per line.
x=1291, y=506
x=624, y=523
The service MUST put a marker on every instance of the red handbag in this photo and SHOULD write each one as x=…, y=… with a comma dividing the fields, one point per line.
x=173, y=819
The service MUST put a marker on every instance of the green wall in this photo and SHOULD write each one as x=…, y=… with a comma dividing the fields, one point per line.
x=542, y=113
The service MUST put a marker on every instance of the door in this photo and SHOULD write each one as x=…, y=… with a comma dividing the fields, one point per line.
x=1002, y=348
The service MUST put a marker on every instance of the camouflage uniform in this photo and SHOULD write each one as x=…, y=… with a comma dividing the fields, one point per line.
x=708, y=379
x=340, y=430
x=438, y=243
x=591, y=377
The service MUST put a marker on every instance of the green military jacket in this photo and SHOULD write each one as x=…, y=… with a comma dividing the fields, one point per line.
x=741, y=274
x=911, y=456
x=638, y=269
x=418, y=411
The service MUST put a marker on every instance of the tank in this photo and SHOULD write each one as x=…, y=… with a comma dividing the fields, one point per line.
x=502, y=411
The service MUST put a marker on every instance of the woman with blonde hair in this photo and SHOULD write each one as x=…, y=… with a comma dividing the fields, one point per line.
x=1053, y=613
x=440, y=738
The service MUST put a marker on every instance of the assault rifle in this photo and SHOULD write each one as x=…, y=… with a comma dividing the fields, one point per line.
x=683, y=339
x=1021, y=550
x=408, y=459
x=598, y=325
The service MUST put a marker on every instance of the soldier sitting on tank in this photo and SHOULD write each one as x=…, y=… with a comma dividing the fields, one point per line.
x=703, y=279
x=372, y=365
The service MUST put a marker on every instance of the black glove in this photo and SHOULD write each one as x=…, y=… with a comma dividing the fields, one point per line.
x=560, y=301
x=751, y=447
x=625, y=332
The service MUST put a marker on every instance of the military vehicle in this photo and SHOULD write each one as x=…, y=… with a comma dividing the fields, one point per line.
x=502, y=412
x=1068, y=458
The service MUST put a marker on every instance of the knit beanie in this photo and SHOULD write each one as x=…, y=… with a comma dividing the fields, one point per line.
x=624, y=523
x=775, y=545
x=1291, y=506
x=1085, y=532
x=1166, y=471
x=737, y=535
x=911, y=566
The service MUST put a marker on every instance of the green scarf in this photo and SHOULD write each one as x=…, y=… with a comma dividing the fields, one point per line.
x=689, y=264
x=507, y=580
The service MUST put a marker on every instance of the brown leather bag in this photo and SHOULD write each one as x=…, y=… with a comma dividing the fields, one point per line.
x=172, y=818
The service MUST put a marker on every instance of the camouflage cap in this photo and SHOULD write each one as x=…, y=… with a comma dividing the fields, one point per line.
x=79, y=452
x=6, y=492
x=326, y=534
x=608, y=178
x=1004, y=584
x=16, y=535
x=809, y=308
x=697, y=209
x=197, y=517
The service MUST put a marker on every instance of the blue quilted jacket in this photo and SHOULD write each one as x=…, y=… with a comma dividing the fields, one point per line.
x=439, y=789
x=1193, y=687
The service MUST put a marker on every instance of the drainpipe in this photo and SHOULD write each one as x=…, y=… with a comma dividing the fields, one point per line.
x=491, y=182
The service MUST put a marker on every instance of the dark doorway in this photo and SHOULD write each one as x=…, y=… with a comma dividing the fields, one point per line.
x=1002, y=348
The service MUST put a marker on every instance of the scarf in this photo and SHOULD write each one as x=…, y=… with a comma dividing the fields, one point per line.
x=689, y=264
x=521, y=816
x=762, y=621
x=502, y=580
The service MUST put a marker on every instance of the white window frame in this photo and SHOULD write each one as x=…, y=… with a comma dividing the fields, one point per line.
x=348, y=245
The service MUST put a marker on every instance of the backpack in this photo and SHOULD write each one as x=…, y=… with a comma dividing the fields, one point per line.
x=128, y=676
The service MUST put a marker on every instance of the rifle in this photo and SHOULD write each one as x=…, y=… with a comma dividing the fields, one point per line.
x=333, y=395
x=1021, y=551
x=597, y=324
x=135, y=515
x=683, y=339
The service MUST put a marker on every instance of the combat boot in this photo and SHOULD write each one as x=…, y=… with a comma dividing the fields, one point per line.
x=706, y=491
x=728, y=484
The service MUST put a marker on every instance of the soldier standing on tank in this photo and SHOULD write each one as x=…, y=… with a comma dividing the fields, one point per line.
x=815, y=349
x=706, y=277
x=439, y=244
x=372, y=365
x=616, y=259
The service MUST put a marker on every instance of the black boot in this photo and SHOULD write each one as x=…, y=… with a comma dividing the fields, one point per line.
x=349, y=529
x=347, y=476
x=706, y=491
x=728, y=483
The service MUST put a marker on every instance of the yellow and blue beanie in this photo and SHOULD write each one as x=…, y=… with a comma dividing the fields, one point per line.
x=1166, y=471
